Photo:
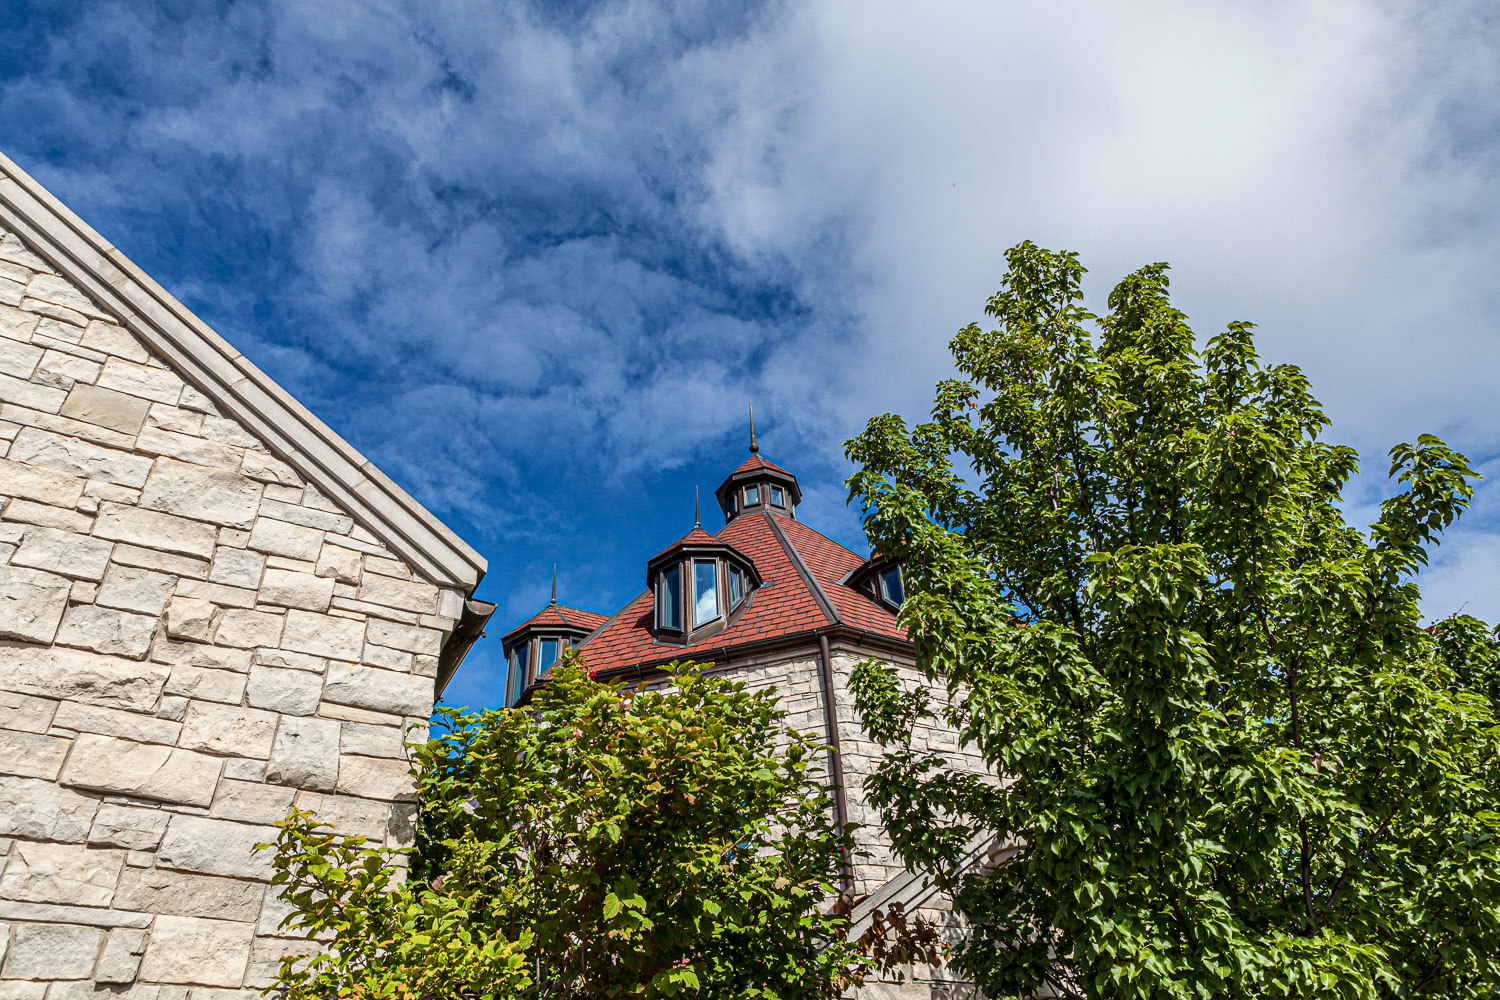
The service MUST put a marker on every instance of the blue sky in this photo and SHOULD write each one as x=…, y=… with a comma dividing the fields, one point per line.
x=534, y=259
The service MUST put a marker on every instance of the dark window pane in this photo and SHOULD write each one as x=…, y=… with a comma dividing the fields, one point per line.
x=669, y=599
x=752, y=495
x=891, y=579
x=736, y=588
x=513, y=680
x=705, y=591
x=521, y=652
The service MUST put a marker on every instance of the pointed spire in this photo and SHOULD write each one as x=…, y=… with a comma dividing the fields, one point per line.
x=554, y=583
x=696, y=522
x=754, y=448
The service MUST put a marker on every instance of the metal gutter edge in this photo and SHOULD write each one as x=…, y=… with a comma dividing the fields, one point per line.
x=835, y=756
x=808, y=580
x=469, y=630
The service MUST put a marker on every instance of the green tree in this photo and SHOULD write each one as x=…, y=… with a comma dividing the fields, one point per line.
x=602, y=842
x=1236, y=763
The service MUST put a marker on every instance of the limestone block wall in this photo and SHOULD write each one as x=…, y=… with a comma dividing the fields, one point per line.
x=861, y=754
x=192, y=641
x=796, y=679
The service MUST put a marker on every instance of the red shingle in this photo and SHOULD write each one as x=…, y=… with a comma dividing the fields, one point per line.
x=755, y=462
x=561, y=614
x=783, y=605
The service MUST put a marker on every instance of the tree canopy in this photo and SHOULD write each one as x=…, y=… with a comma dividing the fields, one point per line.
x=602, y=842
x=1236, y=760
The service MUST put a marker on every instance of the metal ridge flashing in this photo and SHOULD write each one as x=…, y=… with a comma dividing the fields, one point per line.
x=808, y=580
x=241, y=390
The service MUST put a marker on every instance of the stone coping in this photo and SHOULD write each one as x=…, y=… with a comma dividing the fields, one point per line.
x=242, y=391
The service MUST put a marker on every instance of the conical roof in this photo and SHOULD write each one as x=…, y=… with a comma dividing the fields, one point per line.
x=561, y=616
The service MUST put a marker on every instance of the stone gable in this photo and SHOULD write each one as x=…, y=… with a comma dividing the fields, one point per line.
x=193, y=639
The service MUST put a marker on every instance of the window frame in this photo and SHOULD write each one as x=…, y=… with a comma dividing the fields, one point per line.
x=778, y=496
x=542, y=663
x=662, y=588
x=520, y=657
x=730, y=572
x=884, y=584
x=714, y=562
x=734, y=581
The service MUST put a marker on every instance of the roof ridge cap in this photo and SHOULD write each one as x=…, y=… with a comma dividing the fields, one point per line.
x=808, y=580
x=610, y=620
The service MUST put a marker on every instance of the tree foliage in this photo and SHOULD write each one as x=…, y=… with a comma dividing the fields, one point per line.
x=602, y=842
x=1236, y=761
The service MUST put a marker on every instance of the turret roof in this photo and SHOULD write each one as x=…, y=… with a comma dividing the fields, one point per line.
x=755, y=462
x=561, y=616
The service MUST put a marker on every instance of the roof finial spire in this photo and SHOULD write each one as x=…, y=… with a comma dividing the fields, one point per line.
x=696, y=499
x=554, y=583
x=754, y=448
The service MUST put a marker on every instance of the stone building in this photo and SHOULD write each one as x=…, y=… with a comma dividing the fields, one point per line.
x=772, y=602
x=211, y=609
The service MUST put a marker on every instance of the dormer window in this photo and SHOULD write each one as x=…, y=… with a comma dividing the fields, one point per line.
x=699, y=585
x=752, y=495
x=778, y=496
x=890, y=586
x=880, y=578
x=549, y=655
x=533, y=648
x=518, y=678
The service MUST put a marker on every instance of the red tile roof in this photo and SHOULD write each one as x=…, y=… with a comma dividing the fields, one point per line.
x=563, y=616
x=783, y=605
x=695, y=537
x=755, y=462
x=830, y=562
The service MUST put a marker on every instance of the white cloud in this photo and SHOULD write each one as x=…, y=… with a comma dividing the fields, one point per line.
x=564, y=250
x=1328, y=171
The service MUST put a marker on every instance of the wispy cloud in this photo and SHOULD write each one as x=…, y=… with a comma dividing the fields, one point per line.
x=534, y=259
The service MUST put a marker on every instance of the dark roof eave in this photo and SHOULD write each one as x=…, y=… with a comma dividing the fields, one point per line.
x=719, y=654
x=469, y=630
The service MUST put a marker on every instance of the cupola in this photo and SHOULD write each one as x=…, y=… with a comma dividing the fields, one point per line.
x=759, y=484
x=700, y=584
x=532, y=647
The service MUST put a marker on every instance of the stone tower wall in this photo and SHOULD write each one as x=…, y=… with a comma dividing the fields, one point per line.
x=795, y=676
x=192, y=640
